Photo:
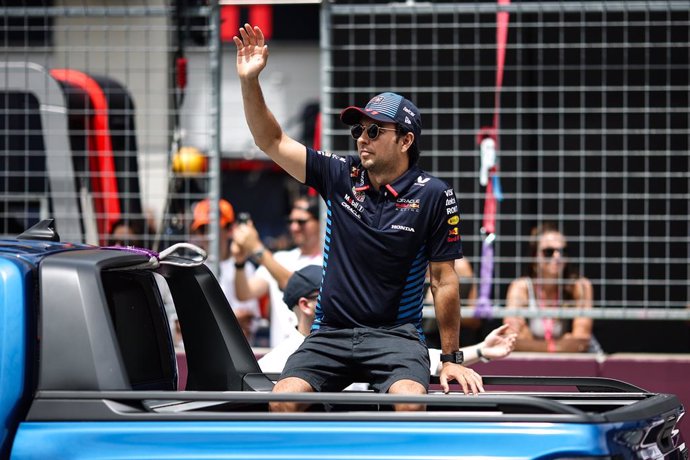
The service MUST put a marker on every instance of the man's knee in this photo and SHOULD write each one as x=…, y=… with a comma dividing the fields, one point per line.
x=290, y=385
x=408, y=387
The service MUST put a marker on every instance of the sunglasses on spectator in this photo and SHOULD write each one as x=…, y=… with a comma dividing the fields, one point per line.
x=549, y=252
x=300, y=222
x=373, y=131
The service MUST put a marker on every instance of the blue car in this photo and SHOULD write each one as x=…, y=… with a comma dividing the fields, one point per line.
x=88, y=369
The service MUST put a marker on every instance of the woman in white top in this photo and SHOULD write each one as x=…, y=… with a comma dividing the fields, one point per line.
x=550, y=284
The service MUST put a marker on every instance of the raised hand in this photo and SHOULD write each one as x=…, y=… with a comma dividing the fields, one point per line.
x=252, y=52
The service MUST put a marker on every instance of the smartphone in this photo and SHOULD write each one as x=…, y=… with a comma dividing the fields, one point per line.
x=243, y=218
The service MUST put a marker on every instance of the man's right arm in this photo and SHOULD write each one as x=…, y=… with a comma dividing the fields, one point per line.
x=247, y=288
x=252, y=56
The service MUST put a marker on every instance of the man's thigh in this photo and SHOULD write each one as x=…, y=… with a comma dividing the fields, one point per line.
x=392, y=355
x=324, y=360
x=330, y=360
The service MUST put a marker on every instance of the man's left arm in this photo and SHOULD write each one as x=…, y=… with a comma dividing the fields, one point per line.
x=445, y=290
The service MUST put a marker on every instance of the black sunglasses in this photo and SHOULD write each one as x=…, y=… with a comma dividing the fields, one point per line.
x=373, y=131
x=549, y=252
x=300, y=222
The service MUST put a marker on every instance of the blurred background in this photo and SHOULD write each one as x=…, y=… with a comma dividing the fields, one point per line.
x=117, y=111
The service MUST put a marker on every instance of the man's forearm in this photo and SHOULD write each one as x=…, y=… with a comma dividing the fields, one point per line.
x=264, y=127
x=275, y=268
x=447, y=307
x=242, y=290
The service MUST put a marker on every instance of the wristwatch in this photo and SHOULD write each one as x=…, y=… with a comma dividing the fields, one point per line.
x=257, y=255
x=456, y=357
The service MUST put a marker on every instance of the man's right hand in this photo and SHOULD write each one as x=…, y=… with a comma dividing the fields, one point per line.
x=252, y=52
x=246, y=237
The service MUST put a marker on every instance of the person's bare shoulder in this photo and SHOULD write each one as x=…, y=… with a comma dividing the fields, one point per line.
x=582, y=288
x=518, y=293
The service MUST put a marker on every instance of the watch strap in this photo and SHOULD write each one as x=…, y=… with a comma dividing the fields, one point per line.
x=456, y=357
x=481, y=356
x=257, y=255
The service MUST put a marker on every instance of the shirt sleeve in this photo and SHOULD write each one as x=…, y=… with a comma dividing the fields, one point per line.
x=323, y=169
x=445, y=242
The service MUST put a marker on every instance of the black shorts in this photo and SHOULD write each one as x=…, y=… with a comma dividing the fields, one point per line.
x=331, y=359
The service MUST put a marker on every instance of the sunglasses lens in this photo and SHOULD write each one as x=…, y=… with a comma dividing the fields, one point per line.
x=372, y=131
x=548, y=252
x=356, y=131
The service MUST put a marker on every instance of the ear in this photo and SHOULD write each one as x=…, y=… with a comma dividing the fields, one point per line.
x=304, y=307
x=407, y=141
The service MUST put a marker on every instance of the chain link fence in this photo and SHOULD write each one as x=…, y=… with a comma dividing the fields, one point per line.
x=590, y=117
x=94, y=99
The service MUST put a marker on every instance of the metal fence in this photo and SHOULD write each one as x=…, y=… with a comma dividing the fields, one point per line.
x=94, y=103
x=591, y=119
x=592, y=122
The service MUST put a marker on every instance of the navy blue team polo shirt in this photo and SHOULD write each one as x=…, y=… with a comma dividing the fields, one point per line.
x=378, y=244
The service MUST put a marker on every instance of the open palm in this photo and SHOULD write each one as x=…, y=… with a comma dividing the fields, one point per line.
x=252, y=52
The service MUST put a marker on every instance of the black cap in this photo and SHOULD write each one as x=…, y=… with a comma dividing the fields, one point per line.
x=312, y=205
x=302, y=283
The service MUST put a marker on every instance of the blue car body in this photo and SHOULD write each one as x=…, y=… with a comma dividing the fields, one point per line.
x=88, y=370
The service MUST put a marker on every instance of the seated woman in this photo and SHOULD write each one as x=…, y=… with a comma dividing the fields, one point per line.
x=551, y=283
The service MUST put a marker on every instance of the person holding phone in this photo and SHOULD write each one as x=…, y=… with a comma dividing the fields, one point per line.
x=276, y=267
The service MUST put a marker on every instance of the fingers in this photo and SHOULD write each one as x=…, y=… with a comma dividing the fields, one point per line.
x=260, y=40
x=244, y=39
x=502, y=329
x=245, y=34
x=250, y=36
x=467, y=378
x=444, y=384
x=475, y=382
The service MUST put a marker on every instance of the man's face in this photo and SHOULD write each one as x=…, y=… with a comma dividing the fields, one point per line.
x=551, y=255
x=383, y=152
x=304, y=228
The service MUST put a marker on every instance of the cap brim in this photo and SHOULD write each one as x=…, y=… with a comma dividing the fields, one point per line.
x=198, y=223
x=353, y=115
